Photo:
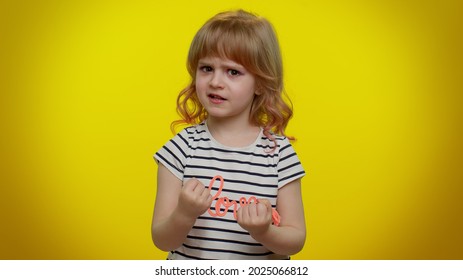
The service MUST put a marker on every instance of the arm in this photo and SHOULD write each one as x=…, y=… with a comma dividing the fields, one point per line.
x=289, y=237
x=176, y=209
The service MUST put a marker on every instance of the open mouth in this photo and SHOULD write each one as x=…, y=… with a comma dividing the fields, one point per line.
x=216, y=97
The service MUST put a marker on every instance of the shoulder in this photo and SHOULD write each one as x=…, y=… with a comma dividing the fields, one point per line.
x=275, y=143
x=194, y=133
x=194, y=130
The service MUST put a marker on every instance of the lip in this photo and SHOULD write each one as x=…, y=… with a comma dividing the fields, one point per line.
x=215, y=98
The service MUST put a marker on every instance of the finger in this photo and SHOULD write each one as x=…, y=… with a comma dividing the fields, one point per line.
x=268, y=208
x=198, y=187
x=209, y=199
x=191, y=184
x=261, y=210
x=266, y=202
x=253, y=210
x=239, y=215
x=206, y=196
x=244, y=213
x=205, y=192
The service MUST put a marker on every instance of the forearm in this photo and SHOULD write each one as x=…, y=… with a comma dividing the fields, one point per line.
x=284, y=240
x=169, y=233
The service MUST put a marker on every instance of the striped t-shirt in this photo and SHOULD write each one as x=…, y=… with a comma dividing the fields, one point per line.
x=256, y=170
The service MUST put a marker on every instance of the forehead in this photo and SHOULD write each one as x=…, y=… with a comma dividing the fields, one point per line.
x=225, y=44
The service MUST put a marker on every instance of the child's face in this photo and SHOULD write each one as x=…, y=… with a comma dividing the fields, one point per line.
x=225, y=88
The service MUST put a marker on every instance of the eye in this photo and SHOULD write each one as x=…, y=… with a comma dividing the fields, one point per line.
x=234, y=72
x=206, y=68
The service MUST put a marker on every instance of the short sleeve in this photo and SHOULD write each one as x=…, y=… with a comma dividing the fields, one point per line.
x=289, y=166
x=173, y=154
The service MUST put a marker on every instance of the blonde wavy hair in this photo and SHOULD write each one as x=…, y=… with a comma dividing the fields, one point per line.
x=252, y=42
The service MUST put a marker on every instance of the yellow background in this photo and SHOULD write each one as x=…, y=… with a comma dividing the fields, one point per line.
x=88, y=92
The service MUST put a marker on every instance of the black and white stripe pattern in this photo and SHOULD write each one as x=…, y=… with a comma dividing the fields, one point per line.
x=255, y=170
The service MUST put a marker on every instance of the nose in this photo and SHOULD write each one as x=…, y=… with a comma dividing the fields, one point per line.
x=216, y=80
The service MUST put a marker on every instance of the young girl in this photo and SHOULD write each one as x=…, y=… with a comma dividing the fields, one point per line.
x=229, y=184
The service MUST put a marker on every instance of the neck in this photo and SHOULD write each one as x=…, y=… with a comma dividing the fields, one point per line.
x=232, y=132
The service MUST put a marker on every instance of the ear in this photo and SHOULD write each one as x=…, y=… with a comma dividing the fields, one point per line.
x=258, y=87
x=258, y=90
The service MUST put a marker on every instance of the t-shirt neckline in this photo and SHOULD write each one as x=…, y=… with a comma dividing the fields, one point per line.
x=244, y=148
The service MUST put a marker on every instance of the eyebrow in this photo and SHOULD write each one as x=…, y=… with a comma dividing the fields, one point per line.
x=224, y=64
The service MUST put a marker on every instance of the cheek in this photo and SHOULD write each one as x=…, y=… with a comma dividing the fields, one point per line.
x=200, y=90
x=251, y=86
x=200, y=84
x=247, y=91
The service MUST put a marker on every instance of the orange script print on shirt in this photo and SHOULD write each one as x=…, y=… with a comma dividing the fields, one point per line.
x=227, y=203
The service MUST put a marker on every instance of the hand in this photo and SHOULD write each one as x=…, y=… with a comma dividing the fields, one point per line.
x=194, y=199
x=256, y=218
